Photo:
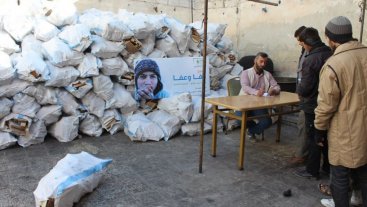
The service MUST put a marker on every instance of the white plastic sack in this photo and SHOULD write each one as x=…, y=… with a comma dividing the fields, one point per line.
x=137, y=22
x=61, y=76
x=77, y=36
x=31, y=44
x=91, y=126
x=225, y=45
x=105, y=49
x=180, y=32
x=112, y=121
x=116, y=31
x=43, y=95
x=7, y=44
x=5, y=107
x=122, y=99
x=217, y=59
x=157, y=54
x=148, y=45
x=44, y=31
x=69, y=104
x=196, y=116
x=49, y=114
x=214, y=31
x=6, y=69
x=220, y=72
x=36, y=135
x=17, y=25
x=193, y=129
x=13, y=88
x=114, y=66
x=140, y=128
x=17, y=124
x=94, y=104
x=236, y=70
x=130, y=58
x=103, y=87
x=6, y=140
x=89, y=66
x=169, y=124
x=168, y=46
x=160, y=26
x=26, y=105
x=60, y=54
x=71, y=178
x=66, y=129
x=31, y=67
x=80, y=87
x=180, y=105
x=61, y=12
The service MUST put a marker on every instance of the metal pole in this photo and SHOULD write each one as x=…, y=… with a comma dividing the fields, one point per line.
x=362, y=22
x=203, y=88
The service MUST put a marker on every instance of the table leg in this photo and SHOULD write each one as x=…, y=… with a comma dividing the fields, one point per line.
x=279, y=124
x=242, y=141
x=214, y=131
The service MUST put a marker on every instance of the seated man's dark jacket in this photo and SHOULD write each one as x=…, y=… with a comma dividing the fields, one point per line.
x=307, y=89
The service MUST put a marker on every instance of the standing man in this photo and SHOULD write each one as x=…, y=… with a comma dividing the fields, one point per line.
x=302, y=153
x=341, y=113
x=259, y=82
x=317, y=55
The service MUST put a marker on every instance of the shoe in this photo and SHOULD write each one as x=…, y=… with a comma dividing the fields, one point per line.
x=302, y=172
x=356, y=199
x=251, y=137
x=327, y=202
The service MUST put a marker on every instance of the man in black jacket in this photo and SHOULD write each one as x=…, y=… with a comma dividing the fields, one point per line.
x=307, y=89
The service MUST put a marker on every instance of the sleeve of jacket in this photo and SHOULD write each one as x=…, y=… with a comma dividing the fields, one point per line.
x=328, y=98
x=308, y=80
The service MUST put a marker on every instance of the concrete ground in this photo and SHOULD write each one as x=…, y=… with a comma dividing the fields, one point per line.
x=166, y=173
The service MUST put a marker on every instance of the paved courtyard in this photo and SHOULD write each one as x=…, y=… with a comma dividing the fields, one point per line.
x=166, y=173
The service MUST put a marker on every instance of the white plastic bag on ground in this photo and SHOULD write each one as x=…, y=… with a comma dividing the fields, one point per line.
x=49, y=114
x=89, y=66
x=180, y=105
x=6, y=140
x=26, y=105
x=193, y=129
x=214, y=31
x=61, y=12
x=6, y=69
x=7, y=44
x=169, y=124
x=60, y=54
x=66, y=129
x=80, y=87
x=157, y=54
x=180, y=32
x=43, y=95
x=91, y=126
x=36, y=135
x=44, y=31
x=140, y=128
x=148, y=45
x=71, y=178
x=220, y=72
x=77, y=36
x=225, y=45
x=116, y=31
x=94, y=104
x=112, y=121
x=31, y=44
x=137, y=22
x=236, y=70
x=17, y=124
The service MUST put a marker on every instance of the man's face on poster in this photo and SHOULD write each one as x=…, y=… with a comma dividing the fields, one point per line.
x=147, y=81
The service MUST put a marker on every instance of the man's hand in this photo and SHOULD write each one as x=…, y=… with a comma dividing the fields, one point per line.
x=146, y=92
x=320, y=137
x=272, y=91
x=260, y=92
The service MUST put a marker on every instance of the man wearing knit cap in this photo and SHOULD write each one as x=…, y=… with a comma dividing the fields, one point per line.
x=341, y=114
x=317, y=54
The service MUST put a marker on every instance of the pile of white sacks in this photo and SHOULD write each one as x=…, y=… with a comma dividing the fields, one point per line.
x=65, y=73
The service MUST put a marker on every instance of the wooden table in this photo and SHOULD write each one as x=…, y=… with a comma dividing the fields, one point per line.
x=245, y=103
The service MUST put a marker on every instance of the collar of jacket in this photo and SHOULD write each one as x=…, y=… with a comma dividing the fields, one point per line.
x=319, y=48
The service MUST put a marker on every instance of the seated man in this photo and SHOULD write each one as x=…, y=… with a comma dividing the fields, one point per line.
x=259, y=82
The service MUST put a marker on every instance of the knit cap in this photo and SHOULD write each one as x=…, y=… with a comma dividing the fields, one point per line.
x=339, y=29
x=147, y=65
